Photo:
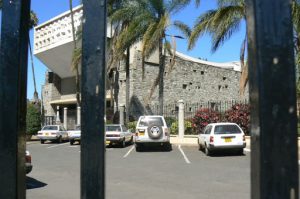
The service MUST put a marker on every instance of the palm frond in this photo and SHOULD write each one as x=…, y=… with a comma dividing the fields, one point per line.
x=185, y=29
x=201, y=26
x=76, y=59
x=151, y=43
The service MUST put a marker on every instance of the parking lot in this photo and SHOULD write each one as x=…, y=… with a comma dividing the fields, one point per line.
x=184, y=172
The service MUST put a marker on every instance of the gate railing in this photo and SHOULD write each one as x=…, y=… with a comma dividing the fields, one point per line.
x=274, y=161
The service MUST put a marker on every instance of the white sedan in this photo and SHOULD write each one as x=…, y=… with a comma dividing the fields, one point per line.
x=53, y=133
x=222, y=136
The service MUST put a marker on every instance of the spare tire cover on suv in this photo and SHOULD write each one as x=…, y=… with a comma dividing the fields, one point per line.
x=155, y=132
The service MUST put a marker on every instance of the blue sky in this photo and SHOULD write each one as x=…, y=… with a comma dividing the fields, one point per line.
x=228, y=52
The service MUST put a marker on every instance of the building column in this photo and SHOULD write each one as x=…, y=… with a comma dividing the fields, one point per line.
x=181, y=119
x=122, y=111
x=66, y=118
x=78, y=115
x=57, y=115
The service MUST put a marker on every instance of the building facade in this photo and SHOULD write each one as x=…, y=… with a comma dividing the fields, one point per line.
x=190, y=79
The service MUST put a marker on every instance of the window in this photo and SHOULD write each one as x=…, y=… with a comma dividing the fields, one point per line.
x=149, y=121
x=202, y=72
x=184, y=86
x=227, y=129
x=50, y=128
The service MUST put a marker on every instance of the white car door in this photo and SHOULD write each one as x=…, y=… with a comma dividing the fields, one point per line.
x=126, y=133
x=206, y=135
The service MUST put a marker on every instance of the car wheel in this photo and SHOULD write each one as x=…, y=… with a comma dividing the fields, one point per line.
x=42, y=141
x=131, y=140
x=199, y=146
x=207, y=151
x=240, y=152
x=123, y=143
x=71, y=142
x=138, y=147
x=59, y=140
x=168, y=147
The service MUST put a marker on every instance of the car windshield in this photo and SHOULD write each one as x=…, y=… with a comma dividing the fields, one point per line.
x=77, y=128
x=113, y=128
x=149, y=121
x=227, y=129
x=50, y=128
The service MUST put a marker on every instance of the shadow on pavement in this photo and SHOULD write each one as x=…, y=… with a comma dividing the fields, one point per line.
x=156, y=148
x=32, y=183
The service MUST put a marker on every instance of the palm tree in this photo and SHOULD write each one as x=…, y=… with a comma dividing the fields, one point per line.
x=149, y=20
x=33, y=22
x=223, y=22
x=76, y=58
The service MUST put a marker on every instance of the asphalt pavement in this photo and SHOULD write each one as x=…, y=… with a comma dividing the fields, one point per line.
x=183, y=172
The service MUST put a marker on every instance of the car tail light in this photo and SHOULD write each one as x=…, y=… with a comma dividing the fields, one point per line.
x=28, y=158
x=53, y=133
x=244, y=138
x=40, y=133
x=166, y=131
x=211, y=139
x=136, y=134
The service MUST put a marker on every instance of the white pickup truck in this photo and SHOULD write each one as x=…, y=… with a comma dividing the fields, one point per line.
x=75, y=135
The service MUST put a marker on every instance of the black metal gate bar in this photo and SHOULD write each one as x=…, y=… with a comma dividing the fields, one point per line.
x=274, y=161
x=13, y=83
x=93, y=100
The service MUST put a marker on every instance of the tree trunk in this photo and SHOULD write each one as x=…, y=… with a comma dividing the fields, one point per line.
x=75, y=48
x=35, y=94
x=127, y=84
x=161, y=77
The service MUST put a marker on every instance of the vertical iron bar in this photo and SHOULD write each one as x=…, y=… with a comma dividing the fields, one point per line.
x=13, y=83
x=93, y=100
x=274, y=159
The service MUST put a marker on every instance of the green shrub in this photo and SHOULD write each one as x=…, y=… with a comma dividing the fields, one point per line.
x=170, y=120
x=188, y=128
x=131, y=126
x=33, y=119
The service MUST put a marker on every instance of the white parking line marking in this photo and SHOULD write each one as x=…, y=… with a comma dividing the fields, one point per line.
x=73, y=146
x=127, y=154
x=184, y=156
x=57, y=145
x=247, y=150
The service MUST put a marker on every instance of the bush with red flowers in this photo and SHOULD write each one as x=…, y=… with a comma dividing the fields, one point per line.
x=240, y=114
x=203, y=117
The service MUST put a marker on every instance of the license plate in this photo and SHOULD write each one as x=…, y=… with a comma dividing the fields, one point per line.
x=227, y=139
x=46, y=134
x=141, y=134
x=107, y=142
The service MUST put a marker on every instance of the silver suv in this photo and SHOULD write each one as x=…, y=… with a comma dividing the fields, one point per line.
x=152, y=130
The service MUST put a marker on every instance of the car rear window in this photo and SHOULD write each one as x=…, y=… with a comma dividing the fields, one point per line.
x=50, y=128
x=149, y=121
x=113, y=128
x=227, y=129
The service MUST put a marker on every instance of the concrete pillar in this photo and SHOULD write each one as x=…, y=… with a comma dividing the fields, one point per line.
x=78, y=115
x=122, y=111
x=66, y=118
x=57, y=115
x=180, y=119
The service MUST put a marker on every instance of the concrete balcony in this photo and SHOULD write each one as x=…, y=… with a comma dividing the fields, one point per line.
x=53, y=41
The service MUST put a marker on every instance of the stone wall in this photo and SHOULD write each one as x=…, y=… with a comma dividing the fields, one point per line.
x=193, y=82
x=50, y=92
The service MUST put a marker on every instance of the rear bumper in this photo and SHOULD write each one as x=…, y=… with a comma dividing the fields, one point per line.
x=54, y=137
x=224, y=147
x=163, y=140
x=75, y=138
x=114, y=139
x=28, y=167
